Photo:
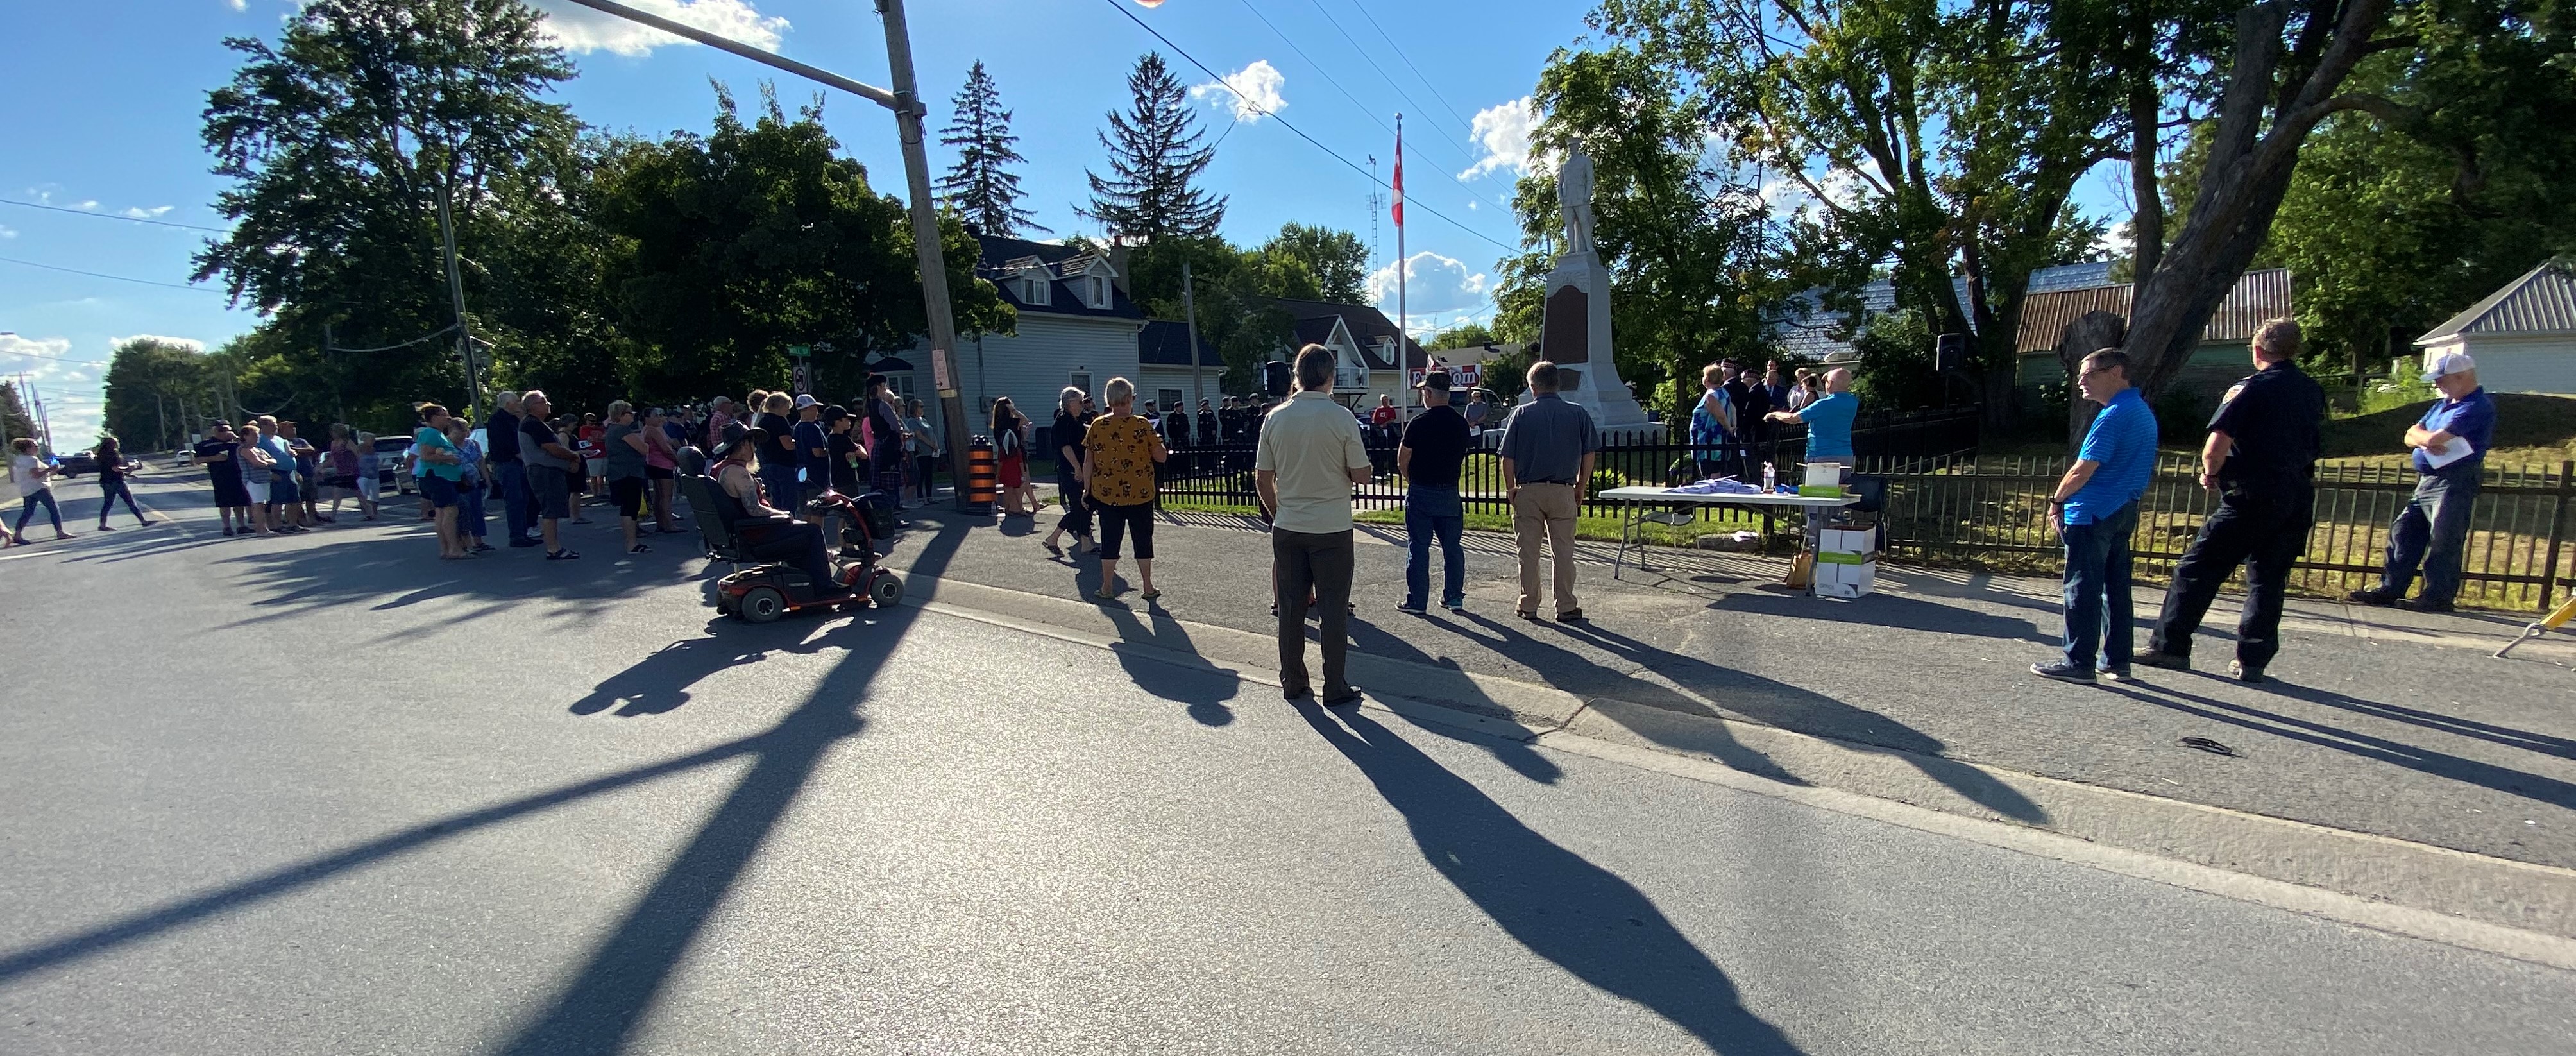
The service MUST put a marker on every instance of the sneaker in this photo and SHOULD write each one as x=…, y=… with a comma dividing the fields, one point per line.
x=527, y=542
x=2164, y=660
x=106, y=528
x=1412, y=609
x=2061, y=671
x=2370, y=597
x=1455, y=604
x=2421, y=605
x=2237, y=670
x=2115, y=674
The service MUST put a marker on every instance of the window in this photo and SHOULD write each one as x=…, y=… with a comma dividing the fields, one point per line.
x=1167, y=398
x=1099, y=292
x=1035, y=292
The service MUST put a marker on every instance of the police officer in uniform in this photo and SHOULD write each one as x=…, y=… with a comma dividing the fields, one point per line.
x=2261, y=457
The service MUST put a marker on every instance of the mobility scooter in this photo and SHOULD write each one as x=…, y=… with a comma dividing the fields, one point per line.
x=770, y=588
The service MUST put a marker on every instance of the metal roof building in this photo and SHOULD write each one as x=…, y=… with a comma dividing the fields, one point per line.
x=2523, y=335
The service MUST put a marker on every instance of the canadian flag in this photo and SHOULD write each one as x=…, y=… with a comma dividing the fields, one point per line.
x=1399, y=179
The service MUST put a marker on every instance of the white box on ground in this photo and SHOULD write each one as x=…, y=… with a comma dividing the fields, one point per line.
x=1848, y=540
x=1851, y=576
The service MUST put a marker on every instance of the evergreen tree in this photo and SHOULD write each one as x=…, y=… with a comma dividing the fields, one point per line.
x=15, y=422
x=978, y=185
x=1154, y=153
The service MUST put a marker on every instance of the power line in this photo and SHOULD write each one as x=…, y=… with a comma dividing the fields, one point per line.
x=1363, y=107
x=1115, y=5
x=115, y=216
x=1398, y=49
x=104, y=275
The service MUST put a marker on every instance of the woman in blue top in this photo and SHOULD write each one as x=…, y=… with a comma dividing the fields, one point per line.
x=1712, y=421
x=440, y=467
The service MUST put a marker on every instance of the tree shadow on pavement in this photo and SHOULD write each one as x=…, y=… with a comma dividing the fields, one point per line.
x=2548, y=790
x=1716, y=691
x=387, y=574
x=1886, y=610
x=1585, y=919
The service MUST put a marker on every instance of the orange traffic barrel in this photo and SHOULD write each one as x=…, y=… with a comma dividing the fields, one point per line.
x=983, y=477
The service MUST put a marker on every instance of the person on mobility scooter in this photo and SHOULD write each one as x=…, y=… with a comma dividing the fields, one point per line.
x=740, y=526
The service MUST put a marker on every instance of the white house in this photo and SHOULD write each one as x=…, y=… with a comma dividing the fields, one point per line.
x=1363, y=341
x=1077, y=327
x=2523, y=336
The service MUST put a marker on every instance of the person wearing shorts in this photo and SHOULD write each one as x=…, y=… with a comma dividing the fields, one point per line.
x=551, y=466
x=624, y=442
x=255, y=477
x=661, y=465
x=441, y=472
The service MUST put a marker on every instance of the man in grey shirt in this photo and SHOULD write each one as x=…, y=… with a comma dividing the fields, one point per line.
x=1548, y=449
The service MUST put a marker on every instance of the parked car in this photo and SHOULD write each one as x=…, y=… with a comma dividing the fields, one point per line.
x=390, y=479
x=79, y=462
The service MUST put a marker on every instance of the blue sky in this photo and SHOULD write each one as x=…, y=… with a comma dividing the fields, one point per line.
x=106, y=98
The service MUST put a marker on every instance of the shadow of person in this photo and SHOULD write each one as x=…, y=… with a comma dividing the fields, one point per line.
x=1371, y=640
x=1581, y=917
x=1203, y=690
x=1886, y=610
x=1788, y=707
x=659, y=682
x=2508, y=736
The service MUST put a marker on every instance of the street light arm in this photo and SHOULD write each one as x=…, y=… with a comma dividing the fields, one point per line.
x=877, y=95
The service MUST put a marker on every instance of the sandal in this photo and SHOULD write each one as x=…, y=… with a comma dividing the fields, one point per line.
x=1051, y=548
x=1150, y=594
x=565, y=554
x=1105, y=594
x=639, y=548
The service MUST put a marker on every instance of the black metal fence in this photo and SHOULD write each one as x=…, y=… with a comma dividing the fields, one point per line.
x=2519, y=552
x=1221, y=476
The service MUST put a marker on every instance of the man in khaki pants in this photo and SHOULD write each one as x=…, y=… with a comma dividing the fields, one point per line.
x=1548, y=449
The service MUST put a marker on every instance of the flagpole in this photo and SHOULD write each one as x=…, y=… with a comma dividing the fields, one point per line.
x=1403, y=335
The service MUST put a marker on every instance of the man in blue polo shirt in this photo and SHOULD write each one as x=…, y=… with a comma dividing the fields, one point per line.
x=2095, y=507
x=2450, y=446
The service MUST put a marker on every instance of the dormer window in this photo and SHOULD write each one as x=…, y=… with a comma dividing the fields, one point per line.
x=1099, y=292
x=1034, y=292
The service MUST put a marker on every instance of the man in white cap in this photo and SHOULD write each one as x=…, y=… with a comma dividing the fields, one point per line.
x=2450, y=448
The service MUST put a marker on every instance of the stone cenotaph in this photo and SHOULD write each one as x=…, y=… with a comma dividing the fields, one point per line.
x=1575, y=330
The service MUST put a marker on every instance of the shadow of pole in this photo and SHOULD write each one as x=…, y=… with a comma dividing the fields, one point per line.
x=1581, y=917
x=598, y=1010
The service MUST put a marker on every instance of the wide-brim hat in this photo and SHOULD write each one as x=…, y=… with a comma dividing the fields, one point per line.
x=736, y=435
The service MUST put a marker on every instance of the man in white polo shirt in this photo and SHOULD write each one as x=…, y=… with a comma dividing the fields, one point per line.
x=1305, y=465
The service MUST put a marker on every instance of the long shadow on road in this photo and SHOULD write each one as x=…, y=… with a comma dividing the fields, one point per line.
x=1581, y=917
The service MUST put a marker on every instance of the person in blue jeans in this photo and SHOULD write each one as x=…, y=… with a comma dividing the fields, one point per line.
x=2095, y=508
x=2431, y=534
x=1435, y=445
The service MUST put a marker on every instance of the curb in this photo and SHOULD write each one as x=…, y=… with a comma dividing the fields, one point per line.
x=2494, y=905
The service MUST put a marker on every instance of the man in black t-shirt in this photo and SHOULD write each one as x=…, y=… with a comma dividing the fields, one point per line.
x=1435, y=447
x=501, y=449
x=223, y=469
x=2261, y=458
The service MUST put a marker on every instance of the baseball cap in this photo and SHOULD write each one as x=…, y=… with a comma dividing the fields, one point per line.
x=2447, y=364
x=1435, y=379
x=806, y=401
x=834, y=412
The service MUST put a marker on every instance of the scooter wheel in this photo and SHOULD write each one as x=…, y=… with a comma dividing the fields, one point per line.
x=885, y=591
x=761, y=605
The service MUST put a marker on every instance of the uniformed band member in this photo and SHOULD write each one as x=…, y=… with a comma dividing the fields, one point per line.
x=2261, y=458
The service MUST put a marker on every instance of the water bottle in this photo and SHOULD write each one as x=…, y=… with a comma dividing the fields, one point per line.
x=1770, y=478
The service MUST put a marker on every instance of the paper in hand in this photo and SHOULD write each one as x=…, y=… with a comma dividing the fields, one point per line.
x=2451, y=451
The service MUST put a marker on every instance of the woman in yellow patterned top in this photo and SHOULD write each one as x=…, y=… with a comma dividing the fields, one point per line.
x=1118, y=473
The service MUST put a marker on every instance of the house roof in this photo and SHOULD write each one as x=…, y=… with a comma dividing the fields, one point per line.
x=1168, y=344
x=2258, y=296
x=1366, y=324
x=1004, y=258
x=2542, y=301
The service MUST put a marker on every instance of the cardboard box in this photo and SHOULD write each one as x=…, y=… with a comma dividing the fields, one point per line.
x=1848, y=540
x=1820, y=491
x=1845, y=575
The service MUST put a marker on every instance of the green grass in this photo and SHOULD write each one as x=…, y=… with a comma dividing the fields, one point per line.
x=2528, y=429
x=1600, y=528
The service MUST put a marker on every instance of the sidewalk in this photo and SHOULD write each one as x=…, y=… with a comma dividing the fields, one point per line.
x=2378, y=722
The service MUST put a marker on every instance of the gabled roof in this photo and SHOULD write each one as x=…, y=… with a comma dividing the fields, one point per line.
x=1366, y=325
x=1013, y=258
x=2258, y=296
x=1167, y=343
x=2542, y=301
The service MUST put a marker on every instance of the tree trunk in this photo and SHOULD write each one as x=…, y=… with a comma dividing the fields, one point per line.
x=2088, y=334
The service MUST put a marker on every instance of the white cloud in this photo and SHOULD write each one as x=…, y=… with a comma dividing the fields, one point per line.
x=580, y=29
x=141, y=213
x=1502, y=132
x=1432, y=283
x=70, y=390
x=189, y=343
x=8, y=232
x=1255, y=92
x=240, y=5
x=90, y=204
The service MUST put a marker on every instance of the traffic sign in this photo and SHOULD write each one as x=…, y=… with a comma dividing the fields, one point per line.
x=800, y=351
x=803, y=378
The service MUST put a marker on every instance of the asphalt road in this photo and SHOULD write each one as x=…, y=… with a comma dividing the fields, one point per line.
x=330, y=795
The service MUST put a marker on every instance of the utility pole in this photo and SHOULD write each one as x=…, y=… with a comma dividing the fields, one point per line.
x=905, y=101
x=925, y=237
x=456, y=295
x=1190, y=308
x=1403, y=343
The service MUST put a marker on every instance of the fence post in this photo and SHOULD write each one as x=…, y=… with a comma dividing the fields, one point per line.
x=2557, y=530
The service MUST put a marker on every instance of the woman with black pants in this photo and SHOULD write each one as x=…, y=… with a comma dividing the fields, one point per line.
x=1120, y=453
x=111, y=484
x=1068, y=474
